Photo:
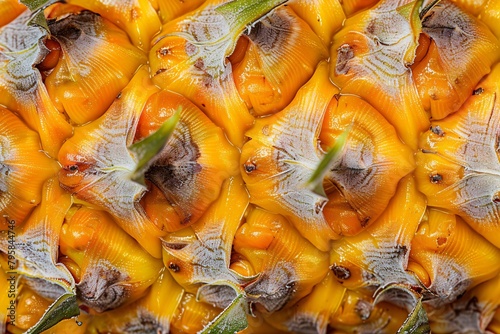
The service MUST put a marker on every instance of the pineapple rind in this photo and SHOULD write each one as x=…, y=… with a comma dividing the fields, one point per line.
x=432, y=230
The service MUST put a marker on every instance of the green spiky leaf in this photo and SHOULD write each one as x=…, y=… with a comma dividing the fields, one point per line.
x=38, y=19
x=247, y=12
x=233, y=318
x=148, y=148
x=417, y=321
x=315, y=183
x=65, y=307
x=37, y=7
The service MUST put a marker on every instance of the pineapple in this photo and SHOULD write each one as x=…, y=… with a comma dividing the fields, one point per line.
x=272, y=166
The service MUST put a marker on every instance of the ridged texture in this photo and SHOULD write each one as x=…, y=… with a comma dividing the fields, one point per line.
x=282, y=155
x=378, y=256
x=275, y=64
x=458, y=165
x=36, y=242
x=136, y=17
x=370, y=58
x=201, y=254
x=194, y=44
x=289, y=266
x=169, y=10
x=259, y=167
x=313, y=312
x=472, y=312
x=23, y=168
x=192, y=316
x=23, y=91
x=454, y=256
x=358, y=315
x=190, y=170
x=325, y=17
x=112, y=268
x=373, y=159
x=88, y=78
x=445, y=78
x=97, y=165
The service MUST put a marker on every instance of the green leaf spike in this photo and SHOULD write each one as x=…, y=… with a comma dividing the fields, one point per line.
x=233, y=318
x=315, y=183
x=65, y=307
x=148, y=148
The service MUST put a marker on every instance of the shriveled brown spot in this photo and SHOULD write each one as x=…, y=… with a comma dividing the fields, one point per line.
x=496, y=198
x=174, y=267
x=417, y=289
x=163, y=51
x=190, y=49
x=341, y=272
x=186, y=219
x=345, y=54
x=478, y=91
x=371, y=27
x=436, y=178
x=160, y=71
x=437, y=130
x=249, y=166
x=135, y=14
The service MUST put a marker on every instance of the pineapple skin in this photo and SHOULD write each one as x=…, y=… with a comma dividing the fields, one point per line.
x=231, y=207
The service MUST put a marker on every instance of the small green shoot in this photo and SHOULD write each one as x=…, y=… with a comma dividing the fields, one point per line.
x=148, y=148
x=65, y=307
x=233, y=318
x=417, y=321
x=37, y=16
x=315, y=182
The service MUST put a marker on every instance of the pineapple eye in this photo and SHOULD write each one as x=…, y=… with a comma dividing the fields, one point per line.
x=163, y=51
x=174, y=267
x=249, y=167
x=73, y=168
x=341, y=272
x=77, y=167
x=436, y=178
